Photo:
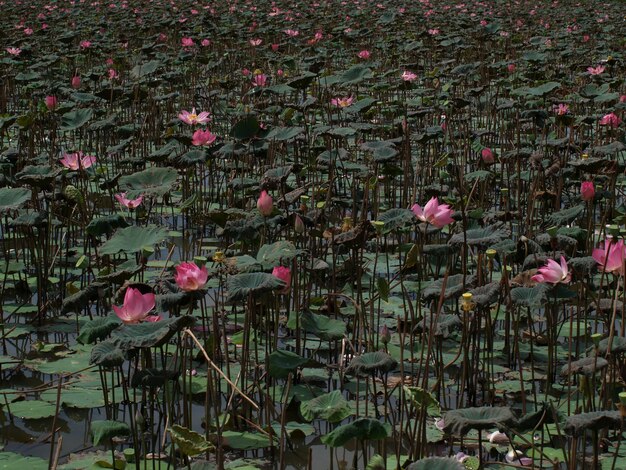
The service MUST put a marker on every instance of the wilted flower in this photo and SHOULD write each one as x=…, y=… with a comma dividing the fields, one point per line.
x=203, y=137
x=265, y=204
x=408, y=76
x=342, y=102
x=192, y=118
x=136, y=306
x=284, y=274
x=190, y=277
x=75, y=161
x=554, y=273
x=611, y=258
x=434, y=213
x=128, y=203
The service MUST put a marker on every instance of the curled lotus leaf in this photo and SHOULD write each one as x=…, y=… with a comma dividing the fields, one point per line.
x=618, y=345
x=587, y=366
x=575, y=425
x=371, y=363
x=149, y=334
x=104, y=431
x=459, y=422
x=361, y=429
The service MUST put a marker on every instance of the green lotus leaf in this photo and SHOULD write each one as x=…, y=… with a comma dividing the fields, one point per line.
x=362, y=429
x=423, y=399
x=396, y=219
x=325, y=328
x=153, y=377
x=192, y=157
x=528, y=296
x=107, y=354
x=149, y=334
x=32, y=409
x=246, y=440
x=76, y=397
x=97, y=329
x=145, y=69
x=105, y=430
x=154, y=181
x=565, y=216
x=132, y=239
x=282, y=363
x=189, y=442
x=618, y=345
x=454, y=287
x=37, y=175
x=276, y=253
x=436, y=463
x=575, y=425
x=332, y=407
x=13, y=198
x=480, y=236
x=283, y=134
x=371, y=363
x=106, y=225
x=246, y=128
x=75, y=119
x=11, y=460
x=460, y=421
x=239, y=286
x=355, y=74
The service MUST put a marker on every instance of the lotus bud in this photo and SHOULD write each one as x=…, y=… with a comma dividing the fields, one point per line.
x=265, y=204
x=298, y=224
x=385, y=336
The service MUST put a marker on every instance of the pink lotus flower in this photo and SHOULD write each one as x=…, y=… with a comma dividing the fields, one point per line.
x=434, y=213
x=51, y=102
x=553, y=273
x=364, y=54
x=587, y=191
x=256, y=42
x=275, y=47
x=28, y=31
x=408, y=76
x=517, y=457
x=284, y=274
x=14, y=51
x=595, y=70
x=622, y=99
x=433, y=32
x=76, y=161
x=611, y=259
x=291, y=32
x=85, y=44
x=342, y=102
x=259, y=80
x=561, y=109
x=113, y=74
x=136, y=306
x=511, y=68
x=611, y=120
x=203, y=137
x=190, y=277
x=487, y=155
x=76, y=81
x=128, y=203
x=192, y=118
x=205, y=43
x=265, y=204
x=245, y=72
x=187, y=42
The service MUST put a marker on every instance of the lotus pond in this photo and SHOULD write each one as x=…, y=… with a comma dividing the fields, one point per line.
x=312, y=235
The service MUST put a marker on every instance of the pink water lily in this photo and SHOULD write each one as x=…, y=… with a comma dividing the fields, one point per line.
x=128, y=203
x=187, y=42
x=203, y=137
x=364, y=54
x=408, y=76
x=136, y=306
x=561, y=110
x=75, y=161
x=434, y=213
x=554, y=273
x=190, y=277
x=610, y=120
x=595, y=70
x=259, y=80
x=342, y=102
x=611, y=258
x=192, y=117
x=14, y=51
x=284, y=274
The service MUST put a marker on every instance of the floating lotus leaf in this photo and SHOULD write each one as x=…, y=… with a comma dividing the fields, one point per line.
x=436, y=463
x=75, y=119
x=246, y=440
x=97, y=329
x=363, y=429
x=107, y=354
x=132, y=239
x=575, y=425
x=9, y=460
x=149, y=334
x=32, y=409
x=282, y=362
x=587, y=366
x=332, y=407
x=325, y=328
x=13, y=198
x=239, y=286
x=371, y=363
x=154, y=181
x=104, y=431
x=461, y=421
